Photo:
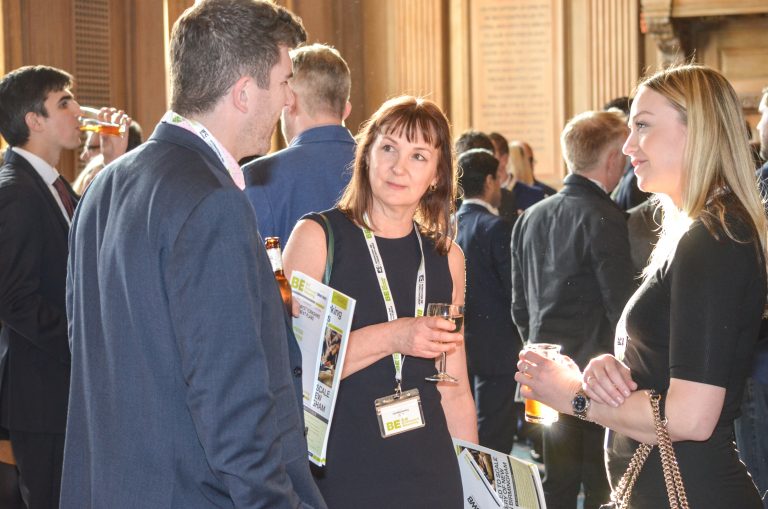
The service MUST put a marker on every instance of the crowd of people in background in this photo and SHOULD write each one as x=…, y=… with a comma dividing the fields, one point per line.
x=146, y=358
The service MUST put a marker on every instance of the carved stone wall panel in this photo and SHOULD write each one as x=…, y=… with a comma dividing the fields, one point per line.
x=516, y=68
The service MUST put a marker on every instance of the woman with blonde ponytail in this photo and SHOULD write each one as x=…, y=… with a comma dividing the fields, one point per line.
x=690, y=329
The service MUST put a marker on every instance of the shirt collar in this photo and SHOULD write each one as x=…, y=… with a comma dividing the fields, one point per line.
x=47, y=172
x=477, y=201
x=598, y=184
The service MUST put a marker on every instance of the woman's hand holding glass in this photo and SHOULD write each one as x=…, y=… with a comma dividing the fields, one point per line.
x=425, y=336
x=607, y=380
x=552, y=382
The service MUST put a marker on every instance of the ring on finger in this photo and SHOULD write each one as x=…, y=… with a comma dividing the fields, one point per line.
x=525, y=368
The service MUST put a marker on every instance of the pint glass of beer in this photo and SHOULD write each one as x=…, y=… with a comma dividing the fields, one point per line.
x=89, y=121
x=535, y=411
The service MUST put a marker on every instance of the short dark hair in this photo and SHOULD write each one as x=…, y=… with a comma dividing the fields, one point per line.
x=623, y=103
x=500, y=143
x=215, y=42
x=25, y=90
x=473, y=139
x=476, y=164
x=135, y=135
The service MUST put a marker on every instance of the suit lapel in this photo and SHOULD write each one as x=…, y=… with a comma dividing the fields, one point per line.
x=34, y=178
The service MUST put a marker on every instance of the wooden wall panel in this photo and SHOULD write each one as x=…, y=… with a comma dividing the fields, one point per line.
x=421, y=52
x=149, y=94
x=14, y=44
x=337, y=23
x=40, y=32
x=405, y=50
x=93, y=53
x=460, y=86
x=612, y=56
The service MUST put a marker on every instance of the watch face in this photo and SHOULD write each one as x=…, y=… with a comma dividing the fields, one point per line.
x=579, y=403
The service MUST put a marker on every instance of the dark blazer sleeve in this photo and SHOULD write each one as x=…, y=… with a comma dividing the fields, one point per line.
x=22, y=306
x=211, y=267
x=519, y=302
x=612, y=263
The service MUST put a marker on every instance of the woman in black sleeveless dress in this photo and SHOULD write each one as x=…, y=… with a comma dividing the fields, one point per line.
x=690, y=329
x=402, y=190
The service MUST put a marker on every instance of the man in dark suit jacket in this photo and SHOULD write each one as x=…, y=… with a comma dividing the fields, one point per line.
x=490, y=335
x=39, y=119
x=571, y=277
x=185, y=387
x=310, y=174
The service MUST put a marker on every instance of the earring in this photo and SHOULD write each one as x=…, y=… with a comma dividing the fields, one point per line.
x=432, y=188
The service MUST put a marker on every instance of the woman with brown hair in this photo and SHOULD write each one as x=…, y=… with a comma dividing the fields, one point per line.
x=393, y=224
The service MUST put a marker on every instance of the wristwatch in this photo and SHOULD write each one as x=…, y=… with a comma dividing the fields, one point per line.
x=580, y=405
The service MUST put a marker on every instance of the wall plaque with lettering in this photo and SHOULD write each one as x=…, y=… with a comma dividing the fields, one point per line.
x=516, y=62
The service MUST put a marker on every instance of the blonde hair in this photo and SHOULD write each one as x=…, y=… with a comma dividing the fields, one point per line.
x=84, y=179
x=718, y=177
x=411, y=117
x=322, y=77
x=587, y=136
x=520, y=165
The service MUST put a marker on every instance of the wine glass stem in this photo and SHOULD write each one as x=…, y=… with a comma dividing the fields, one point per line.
x=442, y=362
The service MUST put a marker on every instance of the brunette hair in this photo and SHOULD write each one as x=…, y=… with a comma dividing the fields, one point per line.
x=414, y=118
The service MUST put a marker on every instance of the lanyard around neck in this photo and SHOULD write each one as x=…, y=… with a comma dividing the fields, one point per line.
x=386, y=293
x=202, y=132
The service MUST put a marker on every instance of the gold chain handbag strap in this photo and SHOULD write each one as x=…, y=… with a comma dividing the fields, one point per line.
x=672, y=478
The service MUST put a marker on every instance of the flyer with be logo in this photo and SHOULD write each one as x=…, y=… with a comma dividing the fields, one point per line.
x=493, y=480
x=322, y=330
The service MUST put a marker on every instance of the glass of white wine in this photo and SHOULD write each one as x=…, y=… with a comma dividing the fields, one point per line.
x=455, y=314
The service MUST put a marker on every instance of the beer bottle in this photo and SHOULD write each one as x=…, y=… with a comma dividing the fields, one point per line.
x=276, y=259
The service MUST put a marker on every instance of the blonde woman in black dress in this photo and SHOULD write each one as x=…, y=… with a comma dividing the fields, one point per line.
x=691, y=327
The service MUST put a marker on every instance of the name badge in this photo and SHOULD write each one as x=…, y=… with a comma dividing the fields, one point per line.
x=398, y=414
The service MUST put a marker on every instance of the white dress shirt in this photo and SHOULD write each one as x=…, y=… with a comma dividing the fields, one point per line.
x=477, y=201
x=48, y=173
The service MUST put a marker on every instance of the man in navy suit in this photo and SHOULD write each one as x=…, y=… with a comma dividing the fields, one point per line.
x=185, y=376
x=39, y=119
x=308, y=175
x=491, y=337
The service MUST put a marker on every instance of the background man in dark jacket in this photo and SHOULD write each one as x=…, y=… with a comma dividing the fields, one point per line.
x=571, y=276
x=491, y=338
